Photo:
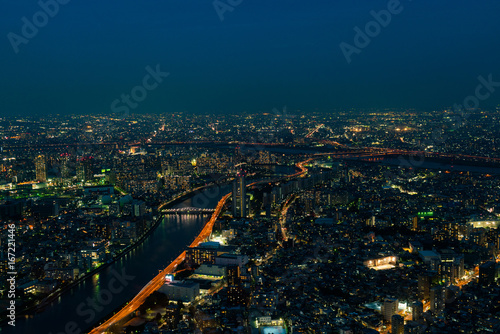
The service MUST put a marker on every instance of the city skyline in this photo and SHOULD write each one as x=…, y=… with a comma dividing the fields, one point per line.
x=167, y=222
x=249, y=167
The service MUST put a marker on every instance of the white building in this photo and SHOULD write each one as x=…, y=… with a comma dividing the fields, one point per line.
x=185, y=291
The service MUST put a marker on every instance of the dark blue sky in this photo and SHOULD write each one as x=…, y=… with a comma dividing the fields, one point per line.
x=264, y=54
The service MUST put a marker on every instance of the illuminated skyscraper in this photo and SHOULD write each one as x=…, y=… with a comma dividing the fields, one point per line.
x=236, y=295
x=239, y=196
x=41, y=169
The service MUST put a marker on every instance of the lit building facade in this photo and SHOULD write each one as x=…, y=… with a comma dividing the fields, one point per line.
x=239, y=196
x=41, y=169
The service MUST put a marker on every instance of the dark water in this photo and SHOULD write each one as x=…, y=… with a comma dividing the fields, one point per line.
x=87, y=303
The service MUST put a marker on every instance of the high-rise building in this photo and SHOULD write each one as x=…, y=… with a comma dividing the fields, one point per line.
x=236, y=294
x=239, y=196
x=84, y=169
x=437, y=299
x=139, y=208
x=417, y=310
x=65, y=168
x=41, y=169
x=415, y=223
x=413, y=327
x=398, y=324
x=458, y=267
x=233, y=275
x=424, y=285
x=389, y=308
x=451, y=293
x=487, y=273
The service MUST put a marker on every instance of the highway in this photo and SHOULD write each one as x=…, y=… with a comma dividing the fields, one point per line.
x=159, y=280
x=309, y=135
x=282, y=219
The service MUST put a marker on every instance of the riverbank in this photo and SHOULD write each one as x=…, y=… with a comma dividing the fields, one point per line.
x=158, y=281
x=173, y=235
x=47, y=301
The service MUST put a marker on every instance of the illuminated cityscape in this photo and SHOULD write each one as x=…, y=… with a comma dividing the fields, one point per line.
x=239, y=196
x=327, y=230
x=249, y=167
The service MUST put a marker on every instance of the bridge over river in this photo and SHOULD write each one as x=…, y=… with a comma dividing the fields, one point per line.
x=188, y=210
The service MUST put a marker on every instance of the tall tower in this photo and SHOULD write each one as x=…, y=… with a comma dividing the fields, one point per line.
x=239, y=195
x=41, y=169
x=415, y=223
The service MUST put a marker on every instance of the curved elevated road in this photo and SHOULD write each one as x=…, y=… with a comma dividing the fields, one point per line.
x=159, y=280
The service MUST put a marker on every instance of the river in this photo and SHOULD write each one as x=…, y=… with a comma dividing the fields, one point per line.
x=169, y=239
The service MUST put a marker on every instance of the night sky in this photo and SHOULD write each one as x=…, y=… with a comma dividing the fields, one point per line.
x=263, y=55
